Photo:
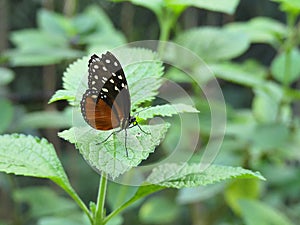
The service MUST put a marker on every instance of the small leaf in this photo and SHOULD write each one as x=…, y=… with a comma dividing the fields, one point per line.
x=6, y=76
x=33, y=39
x=224, y=6
x=286, y=66
x=255, y=212
x=289, y=6
x=261, y=30
x=46, y=119
x=166, y=110
x=54, y=23
x=40, y=57
x=71, y=219
x=62, y=95
x=267, y=101
x=154, y=5
x=207, y=44
x=110, y=156
x=184, y=175
x=270, y=136
x=243, y=74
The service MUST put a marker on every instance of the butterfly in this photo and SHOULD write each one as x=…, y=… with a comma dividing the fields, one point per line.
x=106, y=104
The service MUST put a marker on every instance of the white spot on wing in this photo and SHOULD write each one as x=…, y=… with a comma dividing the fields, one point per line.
x=104, y=68
x=111, y=81
x=107, y=61
x=96, y=66
x=120, y=77
x=104, y=89
x=115, y=63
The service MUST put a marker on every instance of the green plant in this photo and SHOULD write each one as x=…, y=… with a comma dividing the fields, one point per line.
x=29, y=156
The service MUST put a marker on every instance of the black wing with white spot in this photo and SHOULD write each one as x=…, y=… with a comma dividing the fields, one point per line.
x=107, y=81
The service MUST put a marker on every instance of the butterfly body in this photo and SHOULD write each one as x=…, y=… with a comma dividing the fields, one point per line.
x=106, y=103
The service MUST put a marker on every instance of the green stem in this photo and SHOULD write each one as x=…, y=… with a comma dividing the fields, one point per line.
x=138, y=195
x=76, y=198
x=166, y=20
x=118, y=210
x=100, y=212
x=288, y=48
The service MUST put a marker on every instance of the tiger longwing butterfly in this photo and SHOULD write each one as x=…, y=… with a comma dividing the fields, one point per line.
x=106, y=103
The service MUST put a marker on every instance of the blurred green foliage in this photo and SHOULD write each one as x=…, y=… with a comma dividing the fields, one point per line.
x=257, y=57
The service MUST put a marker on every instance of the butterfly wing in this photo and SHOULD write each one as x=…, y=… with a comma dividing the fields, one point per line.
x=107, y=101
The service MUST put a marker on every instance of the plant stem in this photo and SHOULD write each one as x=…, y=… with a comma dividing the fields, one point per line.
x=76, y=198
x=288, y=48
x=100, y=213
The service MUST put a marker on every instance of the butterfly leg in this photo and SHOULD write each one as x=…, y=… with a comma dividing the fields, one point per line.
x=126, y=143
x=114, y=132
x=136, y=124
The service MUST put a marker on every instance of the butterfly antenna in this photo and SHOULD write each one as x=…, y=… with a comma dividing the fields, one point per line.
x=126, y=143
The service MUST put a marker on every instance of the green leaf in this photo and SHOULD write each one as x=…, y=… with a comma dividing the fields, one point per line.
x=270, y=136
x=241, y=189
x=261, y=30
x=255, y=212
x=224, y=6
x=54, y=23
x=43, y=201
x=32, y=39
x=154, y=5
x=153, y=211
x=248, y=74
x=6, y=76
x=44, y=119
x=286, y=66
x=105, y=34
x=207, y=44
x=6, y=114
x=62, y=95
x=290, y=6
x=72, y=219
x=166, y=110
x=100, y=18
x=267, y=101
x=29, y=156
x=110, y=156
x=184, y=175
x=40, y=57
